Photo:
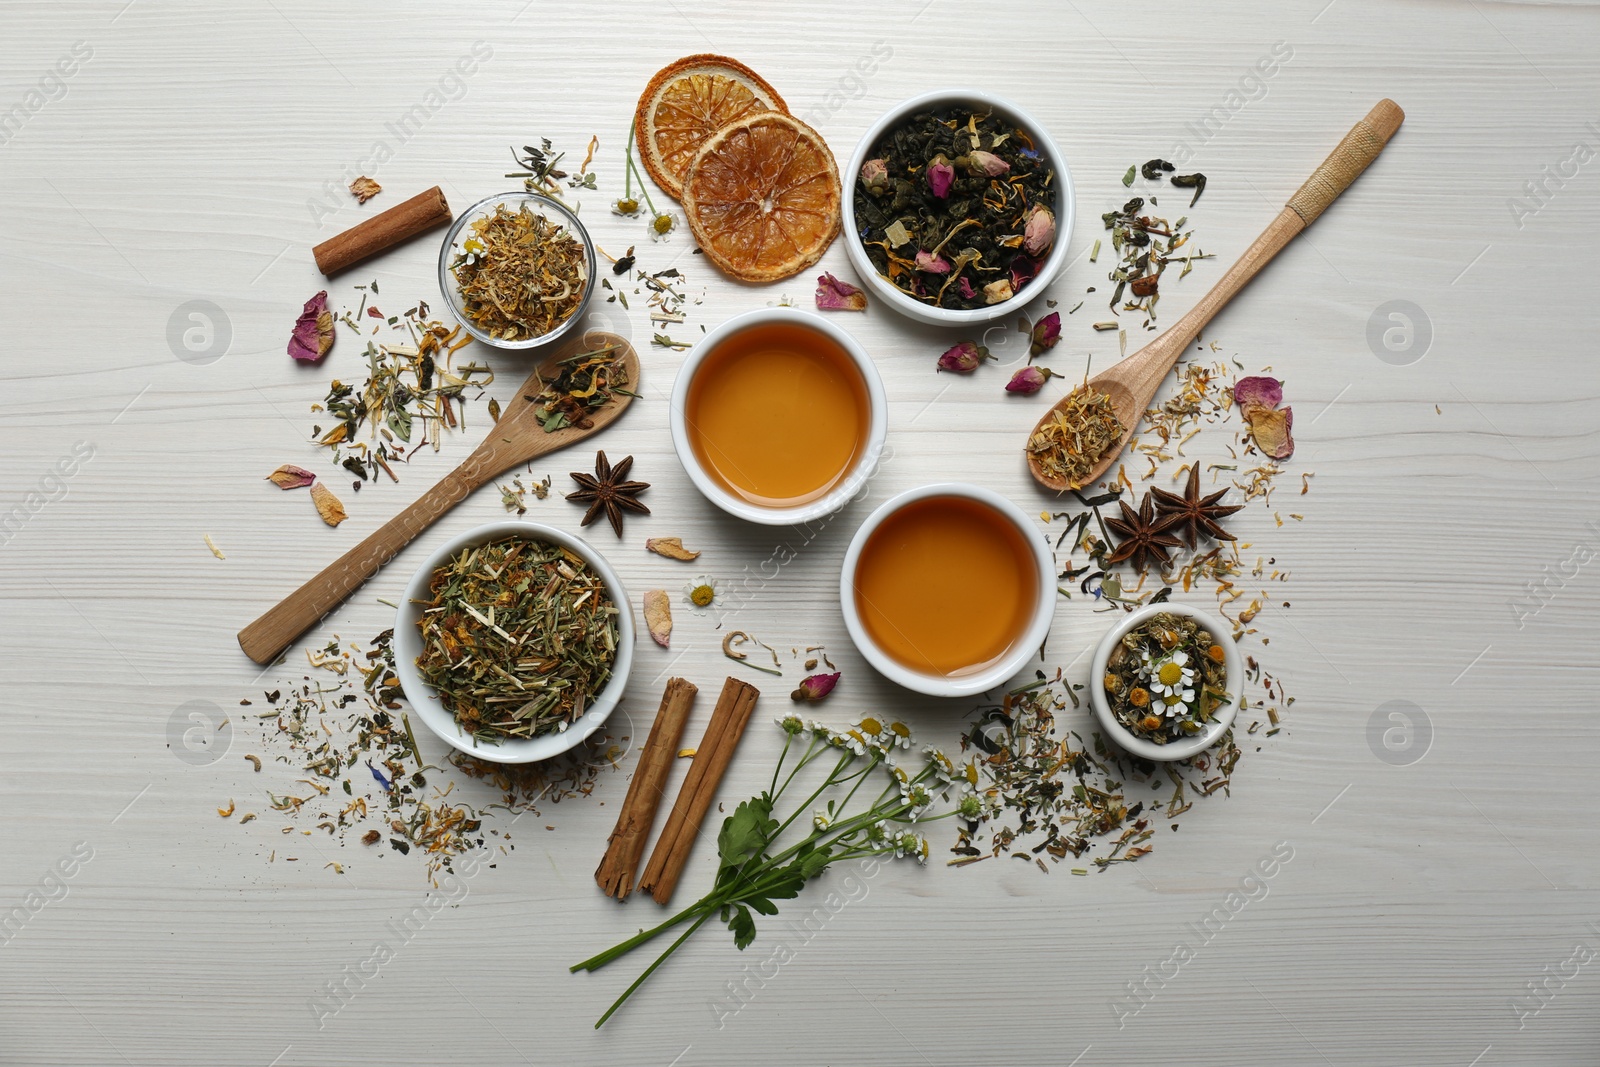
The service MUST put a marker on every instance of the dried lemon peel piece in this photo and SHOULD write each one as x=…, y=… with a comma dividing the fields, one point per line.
x=688, y=101
x=671, y=547
x=762, y=197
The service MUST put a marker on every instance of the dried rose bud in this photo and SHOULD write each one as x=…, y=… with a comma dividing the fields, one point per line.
x=940, y=175
x=1039, y=230
x=815, y=687
x=927, y=261
x=986, y=163
x=997, y=292
x=964, y=357
x=1029, y=380
x=875, y=176
x=1046, y=332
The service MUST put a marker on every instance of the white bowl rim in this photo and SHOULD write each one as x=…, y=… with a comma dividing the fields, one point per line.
x=451, y=296
x=407, y=644
x=1027, y=645
x=1174, y=750
x=1066, y=199
x=877, y=423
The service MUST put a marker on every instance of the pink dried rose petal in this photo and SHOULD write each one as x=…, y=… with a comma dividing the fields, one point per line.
x=289, y=476
x=1023, y=271
x=963, y=357
x=313, y=330
x=1272, y=430
x=927, y=261
x=816, y=687
x=1263, y=391
x=1029, y=380
x=965, y=286
x=1046, y=333
x=658, y=616
x=940, y=175
x=835, y=295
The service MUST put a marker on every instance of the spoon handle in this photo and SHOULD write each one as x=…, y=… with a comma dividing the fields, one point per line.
x=302, y=609
x=1343, y=165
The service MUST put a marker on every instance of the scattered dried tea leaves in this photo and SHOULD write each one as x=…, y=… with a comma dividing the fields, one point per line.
x=328, y=505
x=1077, y=434
x=289, y=476
x=671, y=547
x=583, y=384
x=836, y=295
x=313, y=330
x=364, y=189
x=658, y=616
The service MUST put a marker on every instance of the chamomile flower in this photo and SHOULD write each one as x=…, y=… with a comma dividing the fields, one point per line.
x=821, y=820
x=878, y=833
x=790, y=724
x=662, y=225
x=970, y=807
x=902, y=734
x=701, y=592
x=1171, y=679
x=943, y=769
x=917, y=795
x=906, y=843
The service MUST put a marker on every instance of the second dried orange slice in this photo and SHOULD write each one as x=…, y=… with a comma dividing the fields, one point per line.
x=688, y=101
x=762, y=197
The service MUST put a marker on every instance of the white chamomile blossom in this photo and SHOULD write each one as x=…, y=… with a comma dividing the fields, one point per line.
x=821, y=820
x=1172, y=679
x=701, y=592
x=970, y=807
x=917, y=795
x=943, y=769
x=878, y=833
x=791, y=724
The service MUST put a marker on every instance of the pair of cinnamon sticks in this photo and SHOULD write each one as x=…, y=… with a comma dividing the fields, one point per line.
x=625, y=847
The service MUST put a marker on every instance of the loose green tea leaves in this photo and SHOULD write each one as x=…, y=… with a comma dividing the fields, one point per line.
x=521, y=274
x=584, y=383
x=956, y=209
x=1127, y=179
x=1196, y=181
x=1166, y=678
x=518, y=638
x=1069, y=446
x=1153, y=169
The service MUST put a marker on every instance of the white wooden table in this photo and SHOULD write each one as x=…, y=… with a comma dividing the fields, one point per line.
x=180, y=160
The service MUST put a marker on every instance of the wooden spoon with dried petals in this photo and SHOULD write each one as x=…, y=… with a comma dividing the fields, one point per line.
x=1132, y=383
x=517, y=438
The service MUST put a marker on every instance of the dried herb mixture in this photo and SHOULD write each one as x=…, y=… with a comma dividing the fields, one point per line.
x=1166, y=678
x=521, y=274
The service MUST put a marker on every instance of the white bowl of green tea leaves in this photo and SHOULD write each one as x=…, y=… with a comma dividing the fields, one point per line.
x=958, y=208
x=514, y=641
x=518, y=270
x=1166, y=682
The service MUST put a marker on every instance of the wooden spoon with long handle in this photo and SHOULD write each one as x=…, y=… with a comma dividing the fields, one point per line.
x=1133, y=382
x=517, y=438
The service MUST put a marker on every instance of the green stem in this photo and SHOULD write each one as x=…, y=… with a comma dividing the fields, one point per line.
x=843, y=761
x=637, y=982
x=594, y=963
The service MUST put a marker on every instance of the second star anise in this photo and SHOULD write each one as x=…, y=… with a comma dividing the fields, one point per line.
x=1197, y=516
x=1142, y=535
x=606, y=490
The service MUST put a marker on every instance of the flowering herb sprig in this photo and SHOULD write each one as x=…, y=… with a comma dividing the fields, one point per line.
x=756, y=870
x=661, y=222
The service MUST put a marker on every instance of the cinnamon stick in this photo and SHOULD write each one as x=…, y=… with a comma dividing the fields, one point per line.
x=625, y=847
x=385, y=230
x=710, y=762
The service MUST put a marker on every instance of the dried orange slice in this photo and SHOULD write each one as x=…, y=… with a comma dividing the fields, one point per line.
x=762, y=197
x=687, y=102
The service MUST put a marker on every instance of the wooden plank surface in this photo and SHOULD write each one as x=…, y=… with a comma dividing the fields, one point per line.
x=179, y=162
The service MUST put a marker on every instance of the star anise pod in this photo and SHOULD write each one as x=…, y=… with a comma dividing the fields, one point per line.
x=1142, y=535
x=606, y=490
x=1197, y=516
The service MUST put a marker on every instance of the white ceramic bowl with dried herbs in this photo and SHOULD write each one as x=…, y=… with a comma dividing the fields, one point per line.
x=1050, y=268
x=1182, y=747
x=424, y=698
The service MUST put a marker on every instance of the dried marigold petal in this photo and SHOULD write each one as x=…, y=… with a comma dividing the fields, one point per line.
x=328, y=505
x=364, y=189
x=1272, y=430
x=658, y=616
x=671, y=547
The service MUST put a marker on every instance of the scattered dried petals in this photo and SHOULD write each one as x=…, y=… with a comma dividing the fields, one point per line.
x=1272, y=430
x=212, y=545
x=658, y=616
x=227, y=812
x=289, y=476
x=835, y=295
x=313, y=330
x=815, y=687
x=932, y=264
x=963, y=357
x=328, y=505
x=1046, y=332
x=364, y=189
x=1267, y=392
x=371, y=837
x=671, y=547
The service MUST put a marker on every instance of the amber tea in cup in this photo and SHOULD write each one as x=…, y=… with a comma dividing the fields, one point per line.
x=946, y=586
x=778, y=414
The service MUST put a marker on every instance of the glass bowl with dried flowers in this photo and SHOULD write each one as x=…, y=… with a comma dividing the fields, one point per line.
x=958, y=208
x=1166, y=681
x=514, y=641
x=518, y=270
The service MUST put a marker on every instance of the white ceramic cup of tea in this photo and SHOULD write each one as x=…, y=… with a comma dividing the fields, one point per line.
x=778, y=416
x=948, y=590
